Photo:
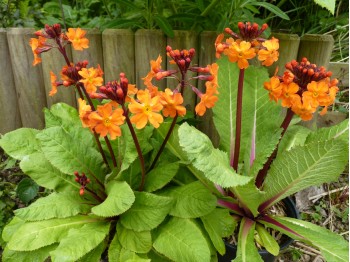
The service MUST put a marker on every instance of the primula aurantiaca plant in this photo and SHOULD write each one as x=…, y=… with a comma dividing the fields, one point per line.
x=131, y=180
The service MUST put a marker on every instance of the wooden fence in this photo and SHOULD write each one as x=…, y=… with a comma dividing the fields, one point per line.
x=24, y=88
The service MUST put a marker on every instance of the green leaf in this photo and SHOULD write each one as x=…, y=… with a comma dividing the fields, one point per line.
x=120, y=198
x=46, y=175
x=26, y=190
x=191, y=200
x=11, y=228
x=269, y=241
x=164, y=25
x=34, y=235
x=181, y=240
x=20, y=143
x=95, y=254
x=328, y=4
x=218, y=224
x=294, y=136
x=160, y=176
x=38, y=255
x=61, y=114
x=72, y=247
x=147, y=212
x=140, y=242
x=247, y=251
x=302, y=167
x=56, y=205
x=114, y=249
x=212, y=162
x=340, y=131
x=70, y=152
x=274, y=9
x=332, y=246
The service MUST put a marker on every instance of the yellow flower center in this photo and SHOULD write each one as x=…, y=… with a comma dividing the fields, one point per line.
x=147, y=109
x=107, y=122
x=315, y=94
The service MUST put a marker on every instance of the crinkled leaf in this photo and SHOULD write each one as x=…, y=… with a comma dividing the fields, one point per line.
x=69, y=152
x=72, y=247
x=147, y=212
x=302, y=167
x=139, y=242
x=34, y=235
x=46, y=175
x=328, y=4
x=218, y=224
x=247, y=251
x=294, y=136
x=340, y=131
x=56, y=205
x=181, y=240
x=191, y=200
x=61, y=114
x=269, y=242
x=38, y=255
x=120, y=198
x=212, y=162
x=11, y=228
x=332, y=246
x=27, y=189
x=20, y=143
x=95, y=254
x=160, y=176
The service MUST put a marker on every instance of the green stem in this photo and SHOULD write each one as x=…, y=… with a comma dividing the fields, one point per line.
x=138, y=148
x=235, y=157
x=263, y=172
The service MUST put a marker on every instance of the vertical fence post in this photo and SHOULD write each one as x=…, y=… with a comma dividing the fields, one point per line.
x=118, y=54
x=184, y=40
x=289, y=45
x=206, y=52
x=148, y=45
x=28, y=79
x=10, y=117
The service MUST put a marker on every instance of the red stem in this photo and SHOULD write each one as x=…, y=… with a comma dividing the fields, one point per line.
x=234, y=161
x=263, y=172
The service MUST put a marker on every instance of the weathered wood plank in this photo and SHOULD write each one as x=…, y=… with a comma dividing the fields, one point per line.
x=118, y=54
x=10, y=117
x=28, y=79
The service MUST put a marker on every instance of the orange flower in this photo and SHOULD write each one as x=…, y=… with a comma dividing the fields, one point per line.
x=155, y=68
x=208, y=100
x=132, y=90
x=289, y=93
x=106, y=120
x=219, y=46
x=172, y=103
x=303, y=108
x=91, y=79
x=317, y=91
x=271, y=54
x=84, y=112
x=213, y=70
x=274, y=88
x=240, y=52
x=146, y=110
x=77, y=38
x=38, y=45
x=53, y=79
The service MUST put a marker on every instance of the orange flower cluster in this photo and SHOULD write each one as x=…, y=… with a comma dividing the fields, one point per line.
x=303, y=88
x=76, y=37
x=245, y=45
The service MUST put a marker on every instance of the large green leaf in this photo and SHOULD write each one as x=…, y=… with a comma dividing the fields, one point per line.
x=147, y=212
x=114, y=249
x=340, y=131
x=20, y=143
x=95, y=255
x=332, y=246
x=56, y=205
x=46, y=175
x=191, y=200
x=294, y=136
x=72, y=247
x=34, y=235
x=160, y=176
x=302, y=167
x=218, y=224
x=181, y=240
x=214, y=163
x=61, y=114
x=69, y=152
x=328, y=4
x=11, y=228
x=38, y=255
x=247, y=251
x=261, y=118
x=120, y=198
x=139, y=242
